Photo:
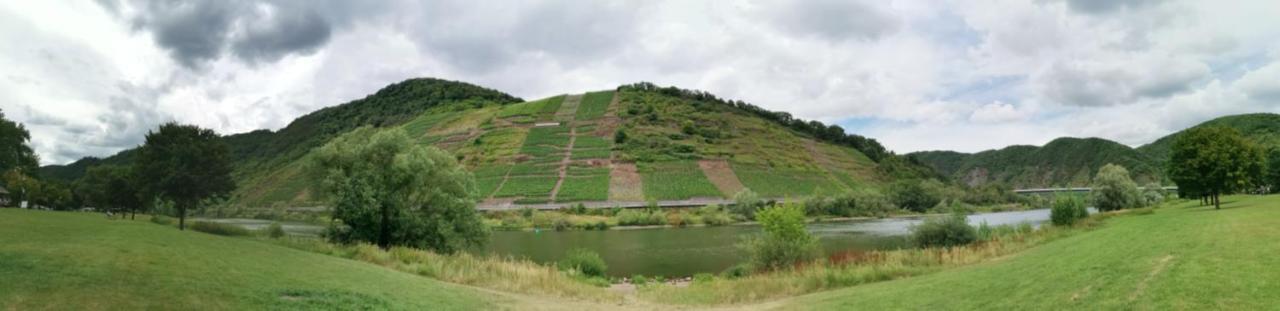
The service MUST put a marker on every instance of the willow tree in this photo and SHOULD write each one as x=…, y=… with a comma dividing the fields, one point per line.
x=387, y=190
x=1211, y=161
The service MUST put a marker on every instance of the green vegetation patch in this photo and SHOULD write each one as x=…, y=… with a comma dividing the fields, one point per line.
x=588, y=142
x=781, y=183
x=532, y=108
x=594, y=105
x=591, y=188
x=527, y=186
x=591, y=154
x=493, y=146
x=535, y=169
x=487, y=185
x=675, y=180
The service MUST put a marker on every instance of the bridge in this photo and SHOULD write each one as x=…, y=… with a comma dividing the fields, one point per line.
x=1074, y=190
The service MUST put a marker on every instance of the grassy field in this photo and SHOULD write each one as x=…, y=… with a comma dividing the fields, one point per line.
x=1183, y=257
x=594, y=105
x=73, y=261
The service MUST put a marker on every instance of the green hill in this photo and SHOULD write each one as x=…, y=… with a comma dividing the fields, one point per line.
x=1061, y=162
x=636, y=143
x=1262, y=128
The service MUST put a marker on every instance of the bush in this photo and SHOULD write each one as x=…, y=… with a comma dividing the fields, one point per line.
x=162, y=220
x=584, y=261
x=736, y=271
x=985, y=232
x=1067, y=209
x=1114, y=190
x=577, y=209
x=915, y=195
x=633, y=217
x=562, y=224
x=785, y=241
x=275, y=230
x=746, y=203
x=703, y=278
x=220, y=229
x=945, y=231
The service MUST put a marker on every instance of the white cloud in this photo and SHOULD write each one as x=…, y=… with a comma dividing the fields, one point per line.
x=926, y=74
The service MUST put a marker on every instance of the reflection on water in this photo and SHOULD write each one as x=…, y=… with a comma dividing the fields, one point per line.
x=687, y=251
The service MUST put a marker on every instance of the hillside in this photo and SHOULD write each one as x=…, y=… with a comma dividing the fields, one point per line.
x=81, y=261
x=636, y=143
x=1262, y=128
x=1061, y=162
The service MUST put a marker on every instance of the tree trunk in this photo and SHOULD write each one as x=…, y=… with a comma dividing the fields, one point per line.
x=1217, y=203
x=384, y=233
x=182, y=217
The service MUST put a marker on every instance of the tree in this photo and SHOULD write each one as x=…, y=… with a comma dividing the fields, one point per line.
x=1114, y=190
x=1210, y=161
x=1272, y=176
x=21, y=186
x=785, y=240
x=184, y=164
x=14, y=151
x=387, y=190
x=916, y=195
x=746, y=203
x=111, y=187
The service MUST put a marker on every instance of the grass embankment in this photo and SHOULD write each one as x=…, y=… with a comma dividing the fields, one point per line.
x=1183, y=257
x=58, y=260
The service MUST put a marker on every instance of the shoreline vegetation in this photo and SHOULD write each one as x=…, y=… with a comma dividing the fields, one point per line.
x=736, y=286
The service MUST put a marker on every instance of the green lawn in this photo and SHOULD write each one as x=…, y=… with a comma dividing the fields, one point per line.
x=82, y=261
x=1183, y=257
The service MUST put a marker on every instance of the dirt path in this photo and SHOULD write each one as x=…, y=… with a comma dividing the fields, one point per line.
x=564, y=163
x=721, y=175
x=505, y=177
x=625, y=183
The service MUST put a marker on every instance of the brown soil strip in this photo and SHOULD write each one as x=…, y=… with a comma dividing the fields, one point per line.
x=721, y=175
x=1142, y=286
x=609, y=123
x=564, y=162
x=625, y=184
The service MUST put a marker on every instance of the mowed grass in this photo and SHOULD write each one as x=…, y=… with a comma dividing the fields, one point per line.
x=74, y=261
x=594, y=105
x=676, y=180
x=1182, y=257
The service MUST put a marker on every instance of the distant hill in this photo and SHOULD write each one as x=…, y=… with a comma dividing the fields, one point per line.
x=636, y=143
x=1061, y=162
x=1262, y=128
x=1072, y=161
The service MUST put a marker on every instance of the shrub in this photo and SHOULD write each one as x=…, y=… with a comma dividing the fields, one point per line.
x=746, y=203
x=639, y=280
x=984, y=232
x=161, y=220
x=526, y=212
x=1067, y=209
x=562, y=224
x=584, y=261
x=915, y=195
x=1114, y=190
x=736, y=271
x=703, y=278
x=577, y=209
x=275, y=231
x=945, y=231
x=785, y=241
x=220, y=229
x=633, y=217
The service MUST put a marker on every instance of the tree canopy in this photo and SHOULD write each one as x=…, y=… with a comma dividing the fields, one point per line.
x=111, y=187
x=1114, y=190
x=184, y=164
x=14, y=151
x=1210, y=161
x=385, y=189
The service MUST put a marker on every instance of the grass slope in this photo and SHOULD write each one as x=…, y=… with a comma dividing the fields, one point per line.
x=72, y=261
x=1183, y=257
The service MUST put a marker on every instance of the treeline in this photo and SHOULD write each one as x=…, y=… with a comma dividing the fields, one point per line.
x=828, y=133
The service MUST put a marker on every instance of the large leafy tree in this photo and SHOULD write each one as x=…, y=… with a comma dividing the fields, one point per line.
x=111, y=187
x=21, y=186
x=1113, y=189
x=14, y=151
x=387, y=190
x=1211, y=161
x=1272, y=176
x=184, y=164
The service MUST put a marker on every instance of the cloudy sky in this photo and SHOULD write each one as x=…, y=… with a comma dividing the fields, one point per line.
x=89, y=78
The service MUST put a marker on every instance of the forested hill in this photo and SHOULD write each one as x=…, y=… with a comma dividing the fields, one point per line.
x=393, y=104
x=1061, y=162
x=1262, y=128
x=635, y=143
x=1071, y=161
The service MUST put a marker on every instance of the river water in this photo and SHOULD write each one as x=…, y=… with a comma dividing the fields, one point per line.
x=675, y=252
x=678, y=252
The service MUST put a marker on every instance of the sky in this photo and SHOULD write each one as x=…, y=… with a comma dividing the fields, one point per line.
x=90, y=78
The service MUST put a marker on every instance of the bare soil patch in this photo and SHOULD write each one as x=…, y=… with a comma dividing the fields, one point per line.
x=625, y=184
x=721, y=175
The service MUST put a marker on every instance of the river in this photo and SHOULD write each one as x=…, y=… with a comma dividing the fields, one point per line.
x=678, y=252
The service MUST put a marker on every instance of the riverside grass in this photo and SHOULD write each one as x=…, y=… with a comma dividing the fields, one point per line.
x=82, y=261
